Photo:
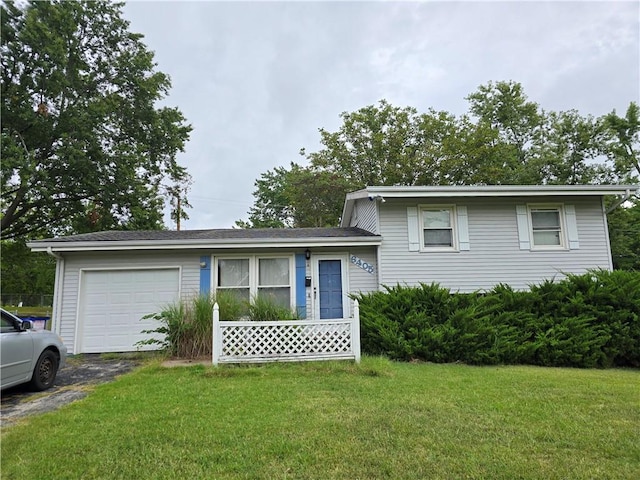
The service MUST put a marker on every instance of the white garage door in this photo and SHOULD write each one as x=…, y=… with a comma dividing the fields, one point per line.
x=112, y=304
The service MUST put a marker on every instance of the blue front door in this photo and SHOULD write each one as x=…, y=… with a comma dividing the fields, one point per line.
x=330, y=283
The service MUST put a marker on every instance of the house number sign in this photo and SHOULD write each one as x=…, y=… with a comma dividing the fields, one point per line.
x=363, y=265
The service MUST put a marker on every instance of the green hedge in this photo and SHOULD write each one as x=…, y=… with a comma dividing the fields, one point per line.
x=590, y=320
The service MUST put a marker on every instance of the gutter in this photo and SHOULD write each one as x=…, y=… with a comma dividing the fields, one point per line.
x=627, y=195
x=57, y=290
x=489, y=191
x=114, y=245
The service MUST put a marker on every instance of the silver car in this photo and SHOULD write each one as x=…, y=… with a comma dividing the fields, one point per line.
x=28, y=355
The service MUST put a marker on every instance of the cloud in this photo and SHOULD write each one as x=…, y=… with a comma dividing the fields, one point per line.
x=258, y=79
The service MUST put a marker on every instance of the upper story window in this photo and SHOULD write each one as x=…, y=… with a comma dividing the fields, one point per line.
x=438, y=227
x=546, y=226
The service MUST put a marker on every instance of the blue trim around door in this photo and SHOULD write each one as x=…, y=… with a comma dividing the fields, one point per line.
x=301, y=297
x=205, y=274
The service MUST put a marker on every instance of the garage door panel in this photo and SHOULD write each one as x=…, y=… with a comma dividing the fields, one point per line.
x=113, y=303
x=120, y=300
x=145, y=297
x=98, y=298
x=118, y=320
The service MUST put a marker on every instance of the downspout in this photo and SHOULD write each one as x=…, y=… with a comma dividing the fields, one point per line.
x=378, y=269
x=378, y=248
x=57, y=291
x=606, y=233
x=620, y=201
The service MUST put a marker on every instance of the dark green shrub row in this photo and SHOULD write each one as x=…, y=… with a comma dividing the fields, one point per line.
x=590, y=320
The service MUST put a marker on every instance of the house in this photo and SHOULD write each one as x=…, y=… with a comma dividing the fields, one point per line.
x=466, y=238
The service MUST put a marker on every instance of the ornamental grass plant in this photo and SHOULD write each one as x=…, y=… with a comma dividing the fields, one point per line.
x=186, y=326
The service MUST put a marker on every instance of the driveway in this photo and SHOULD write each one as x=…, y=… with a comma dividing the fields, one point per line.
x=80, y=371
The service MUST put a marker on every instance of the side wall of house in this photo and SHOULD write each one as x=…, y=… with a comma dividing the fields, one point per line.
x=494, y=253
x=365, y=215
x=363, y=271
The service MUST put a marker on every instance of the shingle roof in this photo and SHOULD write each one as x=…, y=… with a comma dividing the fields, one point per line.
x=214, y=235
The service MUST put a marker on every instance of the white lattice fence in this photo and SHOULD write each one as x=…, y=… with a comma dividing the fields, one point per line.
x=287, y=340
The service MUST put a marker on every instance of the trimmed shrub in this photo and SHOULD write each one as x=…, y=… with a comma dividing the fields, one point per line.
x=590, y=320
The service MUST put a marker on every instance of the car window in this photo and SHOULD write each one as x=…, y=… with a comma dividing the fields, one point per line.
x=7, y=323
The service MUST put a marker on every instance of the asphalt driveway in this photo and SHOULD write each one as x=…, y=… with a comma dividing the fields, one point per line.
x=80, y=371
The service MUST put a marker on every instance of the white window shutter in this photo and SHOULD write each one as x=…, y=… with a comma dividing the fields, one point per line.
x=523, y=227
x=572, y=227
x=463, y=228
x=414, y=229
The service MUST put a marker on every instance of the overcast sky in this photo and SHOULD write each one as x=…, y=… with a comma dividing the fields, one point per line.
x=258, y=79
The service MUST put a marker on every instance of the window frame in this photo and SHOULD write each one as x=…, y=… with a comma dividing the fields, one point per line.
x=217, y=276
x=531, y=209
x=254, y=274
x=453, y=219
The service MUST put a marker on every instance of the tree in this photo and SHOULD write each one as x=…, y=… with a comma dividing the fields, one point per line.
x=503, y=139
x=385, y=145
x=297, y=197
x=623, y=142
x=504, y=107
x=567, y=154
x=25, y=275
x=624, y=235
x=317, y=197
x=84, y=146
x=177, y=194
x=272, y=207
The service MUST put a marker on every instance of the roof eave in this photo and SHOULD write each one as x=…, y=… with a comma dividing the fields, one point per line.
x=495, y=191
x=202, y=244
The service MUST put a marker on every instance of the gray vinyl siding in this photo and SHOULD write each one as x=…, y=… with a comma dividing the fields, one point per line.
x=360, y=280
x=365, y=215
x=189, y=280
x=495, y=255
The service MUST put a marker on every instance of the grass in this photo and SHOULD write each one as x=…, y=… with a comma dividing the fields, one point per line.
x=329, y=420
x=29, y=311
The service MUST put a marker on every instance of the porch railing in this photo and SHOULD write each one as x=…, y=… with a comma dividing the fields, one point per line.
x=286, y=340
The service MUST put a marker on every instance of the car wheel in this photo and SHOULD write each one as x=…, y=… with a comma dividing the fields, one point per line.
x=45, y=372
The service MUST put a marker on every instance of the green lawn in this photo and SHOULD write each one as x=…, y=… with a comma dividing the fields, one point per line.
x=339, y=421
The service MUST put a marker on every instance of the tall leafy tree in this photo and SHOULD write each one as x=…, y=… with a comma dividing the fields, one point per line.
x=505, y=107
x=385, y=145
x=317, y=197
x=568, y=152
x=297, y=197
x=26, y=276
x=623, y=141
x=624, y=234
x=84, y=146
x=272, y=208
